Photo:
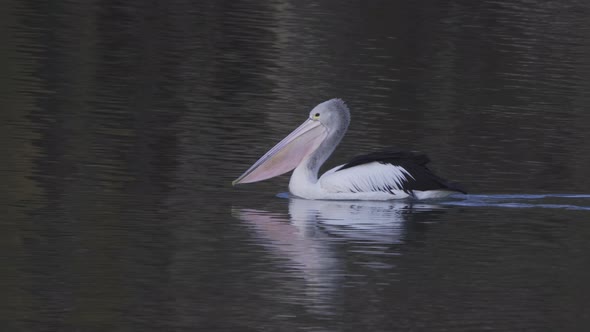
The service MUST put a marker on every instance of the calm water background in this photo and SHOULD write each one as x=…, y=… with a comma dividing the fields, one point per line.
x=123, y=124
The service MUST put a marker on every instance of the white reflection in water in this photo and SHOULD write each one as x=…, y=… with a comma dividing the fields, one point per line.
x=316, y=236
x=371, y=222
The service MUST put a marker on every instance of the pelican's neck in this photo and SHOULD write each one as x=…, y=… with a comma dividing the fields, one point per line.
x=305, y=175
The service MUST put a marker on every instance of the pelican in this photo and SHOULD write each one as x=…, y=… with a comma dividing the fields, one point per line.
x=383, y=175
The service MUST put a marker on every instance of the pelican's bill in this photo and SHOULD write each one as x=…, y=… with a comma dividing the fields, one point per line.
x=287, y=154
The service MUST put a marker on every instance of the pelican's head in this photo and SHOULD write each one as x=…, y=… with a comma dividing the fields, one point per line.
x=332, y=114
x=326, y=120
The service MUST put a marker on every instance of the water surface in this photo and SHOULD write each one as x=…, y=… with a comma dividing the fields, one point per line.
x=125, y=123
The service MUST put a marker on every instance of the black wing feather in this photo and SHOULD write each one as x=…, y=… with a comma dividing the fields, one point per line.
x=415, y=164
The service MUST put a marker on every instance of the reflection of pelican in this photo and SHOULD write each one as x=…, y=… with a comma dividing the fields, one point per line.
x=314, y=232
x=360, y=221
x=377, y=176
x=313, y=222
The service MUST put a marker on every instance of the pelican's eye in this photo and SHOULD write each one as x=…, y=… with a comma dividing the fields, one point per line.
x=316, y=116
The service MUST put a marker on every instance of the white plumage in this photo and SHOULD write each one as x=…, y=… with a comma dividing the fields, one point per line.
x=373, y=176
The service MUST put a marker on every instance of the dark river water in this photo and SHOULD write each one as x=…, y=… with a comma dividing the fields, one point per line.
x=124, y=123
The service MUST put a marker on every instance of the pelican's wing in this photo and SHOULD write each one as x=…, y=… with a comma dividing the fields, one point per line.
x=384, y=171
